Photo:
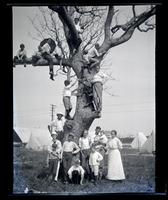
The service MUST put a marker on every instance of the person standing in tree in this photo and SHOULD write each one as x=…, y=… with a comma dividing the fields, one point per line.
x=21, y=55
x=98, y=80
x=46, y=48
x=67, y=98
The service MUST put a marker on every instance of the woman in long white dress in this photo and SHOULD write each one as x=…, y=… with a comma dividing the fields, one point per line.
x=115, y=167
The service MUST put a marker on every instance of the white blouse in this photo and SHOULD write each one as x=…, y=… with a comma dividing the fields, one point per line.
x=114, y=143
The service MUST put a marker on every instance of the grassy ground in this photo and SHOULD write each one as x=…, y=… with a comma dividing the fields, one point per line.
x=139, y=171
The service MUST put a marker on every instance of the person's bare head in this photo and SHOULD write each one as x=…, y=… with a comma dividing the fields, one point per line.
x=22, y=46
x=76, y=20
x=97, y=46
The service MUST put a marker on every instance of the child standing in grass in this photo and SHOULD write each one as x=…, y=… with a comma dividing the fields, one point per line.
x=54, y=157
x=94, y=162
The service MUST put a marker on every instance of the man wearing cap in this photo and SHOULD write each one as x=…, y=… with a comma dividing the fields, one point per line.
x=58, y=144
x=76, y=173
x=57, y=126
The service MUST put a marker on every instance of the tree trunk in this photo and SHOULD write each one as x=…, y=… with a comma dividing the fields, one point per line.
x=84, y=113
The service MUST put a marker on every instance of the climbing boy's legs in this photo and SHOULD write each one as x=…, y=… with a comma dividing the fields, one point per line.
x=68, y=106
x=49, y=58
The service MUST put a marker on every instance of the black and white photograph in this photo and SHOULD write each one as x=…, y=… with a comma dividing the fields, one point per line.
x=84, y=99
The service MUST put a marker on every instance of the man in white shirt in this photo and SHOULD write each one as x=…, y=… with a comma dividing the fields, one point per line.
x=58, y=126
x=69, y=149
x=76, y=173
x=85, y=144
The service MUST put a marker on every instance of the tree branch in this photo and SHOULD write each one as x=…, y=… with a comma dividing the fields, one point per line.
x=71, y=34
x=129, y=28
x=43, y=62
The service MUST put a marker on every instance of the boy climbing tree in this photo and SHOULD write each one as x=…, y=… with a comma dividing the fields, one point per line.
x=67, y=97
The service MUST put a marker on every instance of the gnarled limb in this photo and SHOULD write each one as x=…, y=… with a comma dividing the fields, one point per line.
x=71, y=33
x=128, y=28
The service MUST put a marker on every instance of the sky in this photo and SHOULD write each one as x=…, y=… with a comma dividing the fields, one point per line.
x=129, y=111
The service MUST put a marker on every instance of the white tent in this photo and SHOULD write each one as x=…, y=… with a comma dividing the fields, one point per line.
x=138, y=141
x=39, y=139
x=149, y=145
x=23, y=133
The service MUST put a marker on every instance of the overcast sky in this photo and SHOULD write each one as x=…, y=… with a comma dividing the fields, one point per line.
x=133, y=65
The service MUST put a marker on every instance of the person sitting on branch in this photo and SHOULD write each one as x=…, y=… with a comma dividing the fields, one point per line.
x=45, y=49
x=78, y=27
x=90, y=57
x=20, y=56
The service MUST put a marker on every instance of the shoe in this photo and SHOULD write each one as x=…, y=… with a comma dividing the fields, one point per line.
x=24, y=65
x=51, y=77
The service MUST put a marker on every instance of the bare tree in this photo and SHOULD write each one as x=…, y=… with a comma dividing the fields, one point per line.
x=99, y=22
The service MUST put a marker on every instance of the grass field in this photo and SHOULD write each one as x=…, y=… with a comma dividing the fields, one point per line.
x=139, y=171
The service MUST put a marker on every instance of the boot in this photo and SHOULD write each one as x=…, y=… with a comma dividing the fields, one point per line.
x=95, y=180
x=92, y=177
x=51, y=75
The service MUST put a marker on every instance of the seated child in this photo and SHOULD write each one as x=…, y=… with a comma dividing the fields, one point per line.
x=76, y=173
x=94, y=162
x=21, y=55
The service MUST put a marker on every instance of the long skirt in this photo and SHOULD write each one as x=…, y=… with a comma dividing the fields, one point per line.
x=115, y=169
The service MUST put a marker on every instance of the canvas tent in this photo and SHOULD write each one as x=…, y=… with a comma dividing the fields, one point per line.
x=149, y=145
x=138, y=141
x=16, y=138
x=22, y=133
x=39, y=139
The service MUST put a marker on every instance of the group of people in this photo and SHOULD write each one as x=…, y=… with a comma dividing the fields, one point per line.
x=90, y=61
x=90, y=159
